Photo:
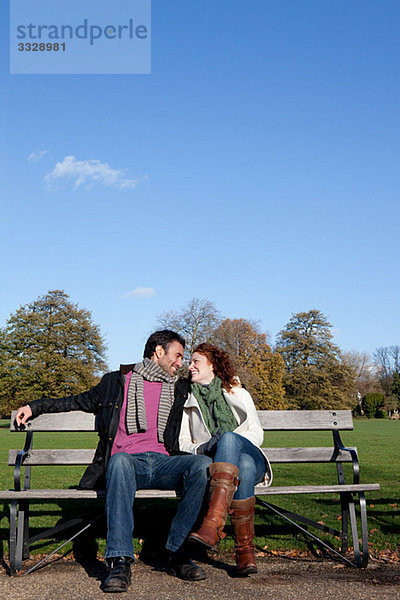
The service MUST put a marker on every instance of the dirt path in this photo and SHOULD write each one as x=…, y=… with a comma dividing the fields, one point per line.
x=278, y=579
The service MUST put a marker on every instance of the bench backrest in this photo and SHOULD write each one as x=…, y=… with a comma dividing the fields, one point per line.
x=271, y=420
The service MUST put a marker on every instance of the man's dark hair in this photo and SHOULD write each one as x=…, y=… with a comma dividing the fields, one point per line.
x=162, y=338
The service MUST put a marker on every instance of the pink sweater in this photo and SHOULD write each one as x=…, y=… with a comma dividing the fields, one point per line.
x=140, y=442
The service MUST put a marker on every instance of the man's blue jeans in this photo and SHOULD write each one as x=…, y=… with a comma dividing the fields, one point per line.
x=238, y=450
x=127, y=473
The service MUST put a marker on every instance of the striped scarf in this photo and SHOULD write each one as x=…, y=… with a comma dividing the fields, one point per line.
x=136, y=421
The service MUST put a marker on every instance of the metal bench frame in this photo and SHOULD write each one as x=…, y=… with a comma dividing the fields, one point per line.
x=22, y=494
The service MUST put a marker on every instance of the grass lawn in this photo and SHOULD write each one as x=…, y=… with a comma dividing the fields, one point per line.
x=377, y=442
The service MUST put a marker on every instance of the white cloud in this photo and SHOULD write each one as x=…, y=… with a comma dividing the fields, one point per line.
x=87, y=173
x=140, y=292
x=35, y=156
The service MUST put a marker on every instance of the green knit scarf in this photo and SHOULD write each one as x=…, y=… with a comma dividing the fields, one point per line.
x=214, y=408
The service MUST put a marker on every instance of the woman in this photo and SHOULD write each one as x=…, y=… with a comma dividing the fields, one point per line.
x=220, y=420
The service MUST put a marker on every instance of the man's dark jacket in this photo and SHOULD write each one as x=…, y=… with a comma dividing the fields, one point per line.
x=105, y=401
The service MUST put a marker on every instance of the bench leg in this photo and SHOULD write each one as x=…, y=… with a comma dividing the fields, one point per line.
x=21, y=536
x=349, y=521
x=25, y=540
x=345, y=525
x=13, y=537
x=361, y=557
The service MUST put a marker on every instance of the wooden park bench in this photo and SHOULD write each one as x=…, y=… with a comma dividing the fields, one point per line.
x=349, y=494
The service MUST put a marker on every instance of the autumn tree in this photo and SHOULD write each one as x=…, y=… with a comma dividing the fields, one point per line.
x=259, y=369
x=48, y=348
x=316, y=377
x=196, y=322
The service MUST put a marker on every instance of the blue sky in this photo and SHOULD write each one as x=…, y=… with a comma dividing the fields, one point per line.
x=257, y=167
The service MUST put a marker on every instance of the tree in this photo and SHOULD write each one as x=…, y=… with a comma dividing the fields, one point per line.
x=48, y=348
x=306, y=341
x=387, y=360
x=372, y=404
x=259, y=369
x=316, y=378
x=396, y=385
x=391, y=405
x=196, y=322
x=392, y=402
x=366, y=375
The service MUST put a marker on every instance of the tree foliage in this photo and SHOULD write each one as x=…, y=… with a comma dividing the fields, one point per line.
x=259, y=369
x=316, y=377
x=306, y=341
x=373, y=403
x=48, y=348
x=196, y=322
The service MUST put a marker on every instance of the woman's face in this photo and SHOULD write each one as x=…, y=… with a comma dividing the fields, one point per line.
x=201, y=369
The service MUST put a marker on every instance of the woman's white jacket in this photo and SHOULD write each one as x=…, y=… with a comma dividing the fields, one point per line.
x=194, y=430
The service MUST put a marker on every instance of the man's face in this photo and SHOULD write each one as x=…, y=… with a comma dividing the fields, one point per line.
x=171, y=359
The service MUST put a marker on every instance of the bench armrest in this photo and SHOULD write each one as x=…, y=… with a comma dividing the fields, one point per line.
x=354, y=457
x=22, y=454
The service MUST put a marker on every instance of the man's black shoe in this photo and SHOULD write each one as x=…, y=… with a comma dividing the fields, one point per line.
x=119, y=578
x=181, y=566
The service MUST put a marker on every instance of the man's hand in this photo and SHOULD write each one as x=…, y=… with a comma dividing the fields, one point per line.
x=209, y=448
x=23, y=414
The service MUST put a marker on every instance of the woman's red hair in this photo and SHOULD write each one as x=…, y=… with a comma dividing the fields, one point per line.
x=221, y=362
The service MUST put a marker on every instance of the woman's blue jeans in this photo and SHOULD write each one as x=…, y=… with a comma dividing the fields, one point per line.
x=127, y=473
x=238, y=450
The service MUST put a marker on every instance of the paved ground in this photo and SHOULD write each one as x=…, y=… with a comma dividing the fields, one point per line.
x=278, y=579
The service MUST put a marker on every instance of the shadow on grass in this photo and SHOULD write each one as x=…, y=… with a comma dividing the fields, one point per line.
x=152, y=521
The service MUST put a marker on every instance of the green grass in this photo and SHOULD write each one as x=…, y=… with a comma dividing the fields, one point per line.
x=377, y=442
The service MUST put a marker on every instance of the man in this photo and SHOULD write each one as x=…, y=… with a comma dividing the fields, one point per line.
x=132, y=407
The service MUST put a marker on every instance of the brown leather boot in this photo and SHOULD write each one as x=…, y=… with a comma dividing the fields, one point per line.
x=242, y=519
x=223, y=484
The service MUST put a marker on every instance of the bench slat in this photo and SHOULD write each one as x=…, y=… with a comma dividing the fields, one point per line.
x=306, y=455
x=271, y=420
x=65, y=421
x=73, y=494
x=85, y=457
x=54, y=457
x=303, y=420
x=315, y=489
x=260, y=490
